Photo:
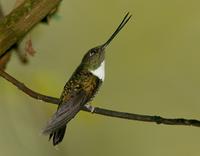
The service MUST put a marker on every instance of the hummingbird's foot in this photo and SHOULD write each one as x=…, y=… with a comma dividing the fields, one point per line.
x=90, y=108
x=56, y=148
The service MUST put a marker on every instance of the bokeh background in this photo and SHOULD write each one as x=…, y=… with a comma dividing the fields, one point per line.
x=152, y=67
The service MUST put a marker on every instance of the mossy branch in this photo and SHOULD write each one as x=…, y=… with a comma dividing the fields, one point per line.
x=21, y=20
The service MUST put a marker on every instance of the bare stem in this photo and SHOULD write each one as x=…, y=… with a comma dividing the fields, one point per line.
x=102, y=111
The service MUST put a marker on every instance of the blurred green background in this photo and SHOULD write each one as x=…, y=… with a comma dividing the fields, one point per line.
x=152, y=67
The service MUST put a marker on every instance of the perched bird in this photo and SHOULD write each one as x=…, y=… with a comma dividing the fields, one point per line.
x=81, y=88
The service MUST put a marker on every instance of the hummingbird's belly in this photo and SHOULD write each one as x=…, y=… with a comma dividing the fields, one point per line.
x=91, y=86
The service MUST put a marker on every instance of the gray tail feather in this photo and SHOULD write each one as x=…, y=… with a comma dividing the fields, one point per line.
x=58, y=135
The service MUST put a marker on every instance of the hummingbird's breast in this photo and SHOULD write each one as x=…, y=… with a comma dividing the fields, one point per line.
x=81, y=80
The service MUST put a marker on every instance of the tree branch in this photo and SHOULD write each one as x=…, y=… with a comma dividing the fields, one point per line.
x=21, y=20
x=28, y=91
x=102, y=111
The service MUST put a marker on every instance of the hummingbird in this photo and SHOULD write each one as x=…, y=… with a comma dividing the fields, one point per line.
x=81, y=88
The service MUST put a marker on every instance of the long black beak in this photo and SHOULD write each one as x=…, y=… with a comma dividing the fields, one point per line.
x=122, y=24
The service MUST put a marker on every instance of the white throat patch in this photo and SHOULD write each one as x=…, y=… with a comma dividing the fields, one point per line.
x=100, y=72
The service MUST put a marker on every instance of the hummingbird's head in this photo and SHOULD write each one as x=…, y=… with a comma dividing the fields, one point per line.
x=95, y=56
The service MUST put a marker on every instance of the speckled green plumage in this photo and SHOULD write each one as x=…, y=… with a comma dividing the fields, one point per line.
x=81, y=80
x=80, y=89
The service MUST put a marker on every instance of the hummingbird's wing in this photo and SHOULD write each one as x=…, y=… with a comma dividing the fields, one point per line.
x=67, y=110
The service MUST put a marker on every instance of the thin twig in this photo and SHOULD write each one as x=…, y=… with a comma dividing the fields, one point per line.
x=102, y=111
x=28, y=91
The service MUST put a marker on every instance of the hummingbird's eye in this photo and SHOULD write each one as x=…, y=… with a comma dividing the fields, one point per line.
x=92, y=53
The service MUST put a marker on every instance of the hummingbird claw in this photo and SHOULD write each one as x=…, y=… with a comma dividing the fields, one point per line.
x=56, y=148
x=90, y=108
